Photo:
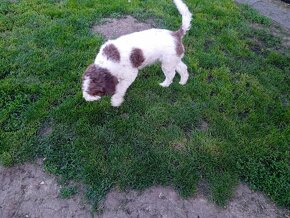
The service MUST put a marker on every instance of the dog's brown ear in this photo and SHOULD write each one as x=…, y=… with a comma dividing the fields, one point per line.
x=96, y=84
x=91, y=70
x=110, y=84
x=95, y=90
x=102, y=82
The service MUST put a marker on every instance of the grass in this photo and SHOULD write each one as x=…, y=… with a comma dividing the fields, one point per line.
x=67, y=192
x=239, y=87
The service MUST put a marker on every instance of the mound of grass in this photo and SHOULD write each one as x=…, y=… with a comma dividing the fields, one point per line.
x=229, y=123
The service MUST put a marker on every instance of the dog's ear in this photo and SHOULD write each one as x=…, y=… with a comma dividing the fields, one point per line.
x=102, y=82
x=90, y=71
x=96, y=89
x=96, y=85
x=110, y=84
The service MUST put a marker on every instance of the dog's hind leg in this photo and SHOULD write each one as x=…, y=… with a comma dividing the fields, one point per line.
x=181, y=69
x=169, y=72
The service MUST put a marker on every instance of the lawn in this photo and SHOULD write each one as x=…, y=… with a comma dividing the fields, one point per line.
x=230, y=123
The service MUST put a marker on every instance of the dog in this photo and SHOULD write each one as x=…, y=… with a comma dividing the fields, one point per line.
x=116, y=65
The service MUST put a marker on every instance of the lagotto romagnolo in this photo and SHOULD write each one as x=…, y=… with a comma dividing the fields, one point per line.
x=118, y=61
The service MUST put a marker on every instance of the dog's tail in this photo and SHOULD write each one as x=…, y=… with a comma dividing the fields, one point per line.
x=185, y=13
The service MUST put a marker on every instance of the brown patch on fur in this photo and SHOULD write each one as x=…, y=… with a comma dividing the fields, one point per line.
x=112, y=53
x=102, y=82
x=178, y=35
x=137, y=57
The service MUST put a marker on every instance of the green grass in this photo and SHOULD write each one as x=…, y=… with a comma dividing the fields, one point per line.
x=67, y=192
x=239, y=88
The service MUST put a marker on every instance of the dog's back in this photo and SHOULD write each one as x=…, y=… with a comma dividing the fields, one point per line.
x=154, y=43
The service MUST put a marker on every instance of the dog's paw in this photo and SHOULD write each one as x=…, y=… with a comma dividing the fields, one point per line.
x=88, y=97
x=164, y=84
x=183, y=82
x=116, y=101
x=184, y=79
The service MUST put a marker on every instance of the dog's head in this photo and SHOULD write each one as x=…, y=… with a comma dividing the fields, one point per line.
x=97, y=82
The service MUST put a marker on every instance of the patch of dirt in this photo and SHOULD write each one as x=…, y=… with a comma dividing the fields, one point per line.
x=114, y=28
x=204, y=125
x=277, y=31
x=276, y=10
x=27, y=191
x=165, y=202
x=45, y=131
x=179, y=144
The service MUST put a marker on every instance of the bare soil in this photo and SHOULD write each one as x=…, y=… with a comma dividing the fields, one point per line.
x=276, y=10
x=113, y=28
x=27, y=191
x=276, y=30
x=165, y=202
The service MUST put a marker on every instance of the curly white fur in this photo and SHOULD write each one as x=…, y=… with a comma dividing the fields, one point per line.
x=186, y=15
x=156, y=45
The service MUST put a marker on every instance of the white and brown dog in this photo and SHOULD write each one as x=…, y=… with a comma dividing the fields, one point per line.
x=116, y=65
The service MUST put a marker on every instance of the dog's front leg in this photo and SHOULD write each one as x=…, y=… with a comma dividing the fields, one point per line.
x=121, y=88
